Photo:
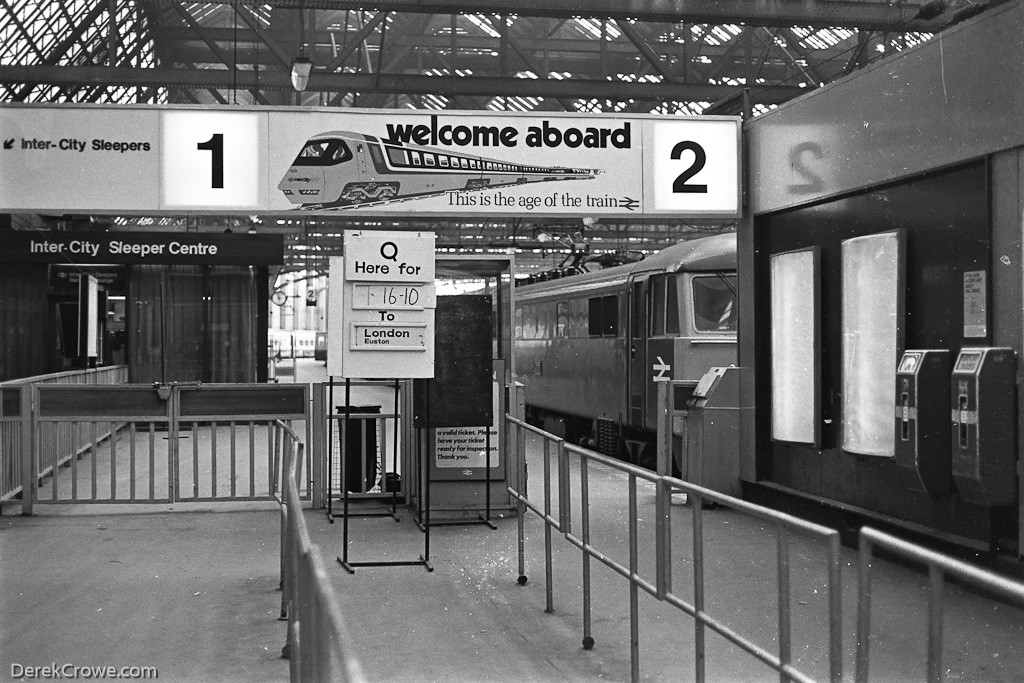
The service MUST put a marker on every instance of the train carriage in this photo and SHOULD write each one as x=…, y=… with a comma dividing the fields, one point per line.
x=591, y=347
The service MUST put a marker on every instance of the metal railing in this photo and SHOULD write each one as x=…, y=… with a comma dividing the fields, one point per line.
x=317, y=642
x=16, y=427
x=939, y=567
x=661, y=586
x=133, y=443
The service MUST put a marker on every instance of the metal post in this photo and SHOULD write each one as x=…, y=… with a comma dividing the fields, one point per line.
x=29, y=463
x=516, y=433
x=548, y=573
x=698, y=587
x=863, y=610
x=936, y=579
x=317, y=450
x=634, y=595
x=588, y=635
x=835, y=612
x=782, y=548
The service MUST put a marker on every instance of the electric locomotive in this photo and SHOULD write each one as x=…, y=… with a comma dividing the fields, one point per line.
x=343, y=169
x=592, y=347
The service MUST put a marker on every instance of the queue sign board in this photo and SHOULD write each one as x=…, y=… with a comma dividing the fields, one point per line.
x=381, y=303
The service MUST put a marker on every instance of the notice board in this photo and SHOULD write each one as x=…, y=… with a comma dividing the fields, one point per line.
x=460, y=394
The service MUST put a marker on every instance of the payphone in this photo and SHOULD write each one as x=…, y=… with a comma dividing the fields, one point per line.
x=983, y=394
x=922, y=434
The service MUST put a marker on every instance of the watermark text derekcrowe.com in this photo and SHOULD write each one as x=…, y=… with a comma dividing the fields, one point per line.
x=54, y=671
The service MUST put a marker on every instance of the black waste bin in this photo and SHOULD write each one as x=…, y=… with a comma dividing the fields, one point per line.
x=359, y=448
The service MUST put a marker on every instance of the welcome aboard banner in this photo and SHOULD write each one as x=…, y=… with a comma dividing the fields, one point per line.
x=153, y=159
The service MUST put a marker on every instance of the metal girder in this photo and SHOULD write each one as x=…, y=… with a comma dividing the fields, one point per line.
x=645, y=49
x=216, y=49
x=879, y=15
x=251, y=22
x=391, y=83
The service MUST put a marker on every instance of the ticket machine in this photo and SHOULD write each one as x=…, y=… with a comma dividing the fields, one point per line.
x=984, y=420
x=922, y=433
x=712, y=432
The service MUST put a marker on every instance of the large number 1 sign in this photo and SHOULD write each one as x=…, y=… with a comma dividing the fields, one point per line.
x=211, y=159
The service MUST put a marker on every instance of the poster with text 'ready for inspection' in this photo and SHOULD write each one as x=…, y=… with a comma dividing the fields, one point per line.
x=150, y=159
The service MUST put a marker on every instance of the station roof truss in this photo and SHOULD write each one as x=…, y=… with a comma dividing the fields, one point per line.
x=587, y=56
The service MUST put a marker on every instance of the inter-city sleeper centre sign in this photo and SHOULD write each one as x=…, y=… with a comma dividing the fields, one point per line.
x=30, y=246
x=295, y=161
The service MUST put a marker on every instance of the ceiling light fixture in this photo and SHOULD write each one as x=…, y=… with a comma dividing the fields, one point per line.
x=303, y=65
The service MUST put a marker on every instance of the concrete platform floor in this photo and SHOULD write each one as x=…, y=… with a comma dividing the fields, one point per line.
x=194, y=594
x=192, y=590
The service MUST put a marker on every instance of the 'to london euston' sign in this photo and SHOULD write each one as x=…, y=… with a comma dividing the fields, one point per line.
x=148, y=159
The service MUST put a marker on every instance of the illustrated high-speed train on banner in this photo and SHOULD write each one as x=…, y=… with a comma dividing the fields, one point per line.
x=339, y=169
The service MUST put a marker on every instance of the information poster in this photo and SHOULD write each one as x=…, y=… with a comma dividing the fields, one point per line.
x=462, y=451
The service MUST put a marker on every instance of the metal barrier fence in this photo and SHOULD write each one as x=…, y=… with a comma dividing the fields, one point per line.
x=156, y=444
x=317, y=640
x=16, y=429
x=939, y=567
x=661, y=587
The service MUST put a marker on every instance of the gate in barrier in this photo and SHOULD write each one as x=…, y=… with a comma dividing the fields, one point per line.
x=159, y=443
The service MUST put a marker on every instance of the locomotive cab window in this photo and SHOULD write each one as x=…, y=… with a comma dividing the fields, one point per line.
x=714, y=303
x=323, y=153
x=603, y=316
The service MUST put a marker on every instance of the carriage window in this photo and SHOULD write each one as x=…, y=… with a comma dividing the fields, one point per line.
x=396, y=156
x=443, y=161
x=323, y=153
x=472, y=163
x=603, y=316
x=562, y=319
x=465, y=164
x=658, y=305
x=714, y=303
x=610, y=316
x=671, y=306
x=417, y=158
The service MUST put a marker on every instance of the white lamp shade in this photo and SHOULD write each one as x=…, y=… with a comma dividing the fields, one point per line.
x=300, y=73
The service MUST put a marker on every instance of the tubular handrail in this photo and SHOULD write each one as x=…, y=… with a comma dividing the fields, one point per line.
x=317, y=642
x=939, y=566
x=15, y=425
x=661, y=588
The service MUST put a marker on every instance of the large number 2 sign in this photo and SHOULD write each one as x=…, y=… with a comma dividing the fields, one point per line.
x=693, y=167
x=699, y=159
x=211, y=159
